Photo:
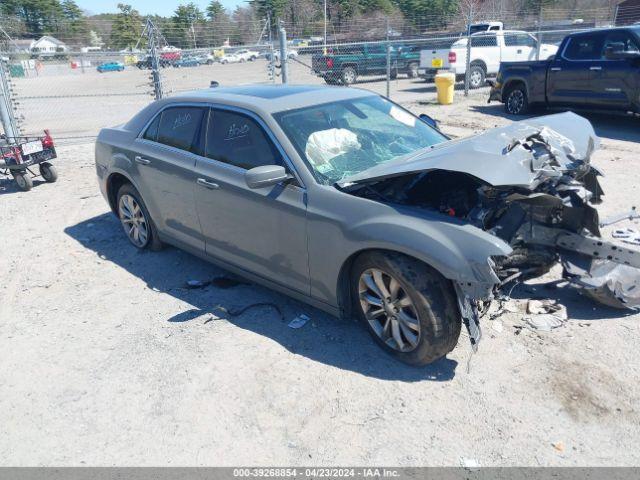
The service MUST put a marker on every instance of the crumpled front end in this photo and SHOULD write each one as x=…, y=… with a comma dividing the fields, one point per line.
x=532, y=185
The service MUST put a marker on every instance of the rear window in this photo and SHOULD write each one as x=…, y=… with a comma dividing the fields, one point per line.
x=180, y=128
x=585, y=47
x=484, y=40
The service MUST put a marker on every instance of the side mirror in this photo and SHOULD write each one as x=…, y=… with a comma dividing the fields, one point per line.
x=265, y=176
x=432, y=122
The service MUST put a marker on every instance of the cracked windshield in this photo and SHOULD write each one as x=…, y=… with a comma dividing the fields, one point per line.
x=345, y=138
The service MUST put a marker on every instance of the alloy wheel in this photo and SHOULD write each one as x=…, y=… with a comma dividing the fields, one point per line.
x=133, y=220
x=515, y=102
x=389, y=310
x=476, y=78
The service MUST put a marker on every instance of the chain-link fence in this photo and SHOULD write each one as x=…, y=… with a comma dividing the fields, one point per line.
x=75, y=92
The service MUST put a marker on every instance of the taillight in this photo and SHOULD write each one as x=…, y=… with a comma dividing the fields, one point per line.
x=329, y=62
x=47, y=141
x=452, y=57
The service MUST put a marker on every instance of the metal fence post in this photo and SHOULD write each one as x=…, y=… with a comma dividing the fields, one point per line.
x=467, y=73
x=539, y=33
x=156, y=78
x=9, y=124
x=282, y=34
x=388, y=70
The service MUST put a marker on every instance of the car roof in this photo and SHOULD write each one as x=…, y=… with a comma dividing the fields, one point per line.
x=269, y=98
x=630, y=28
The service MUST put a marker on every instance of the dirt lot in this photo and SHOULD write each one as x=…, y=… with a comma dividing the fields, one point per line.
x=109, y=360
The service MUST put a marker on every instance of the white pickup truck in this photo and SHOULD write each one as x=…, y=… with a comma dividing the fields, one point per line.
x=488, y=49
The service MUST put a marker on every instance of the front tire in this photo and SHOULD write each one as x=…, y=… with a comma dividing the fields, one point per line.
x=24, y=181
x=48, y=172
x=135, y=219
x=516, y=101
x=408, y=307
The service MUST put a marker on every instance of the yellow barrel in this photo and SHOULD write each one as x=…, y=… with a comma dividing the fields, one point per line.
x=445, y=82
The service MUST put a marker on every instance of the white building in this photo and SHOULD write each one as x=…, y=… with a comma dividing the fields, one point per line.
x=48, y=45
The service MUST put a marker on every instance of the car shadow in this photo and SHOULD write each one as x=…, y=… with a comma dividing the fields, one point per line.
x=339, y=343
x=9, y=186
x=614, y=127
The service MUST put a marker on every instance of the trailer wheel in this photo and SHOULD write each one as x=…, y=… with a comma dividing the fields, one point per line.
x=48, y=172
x=24, y=181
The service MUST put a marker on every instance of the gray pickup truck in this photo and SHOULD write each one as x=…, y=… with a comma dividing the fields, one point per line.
x=592, y=70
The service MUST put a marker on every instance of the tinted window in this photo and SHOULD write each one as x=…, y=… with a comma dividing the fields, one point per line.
x=519, y=40
x=620, y=42
x=238, y=140
x=584, y=47
x=152, y=130
x=180, y=127
x=484, y=40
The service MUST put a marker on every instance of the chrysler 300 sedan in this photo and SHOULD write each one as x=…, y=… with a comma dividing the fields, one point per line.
x=347, y=201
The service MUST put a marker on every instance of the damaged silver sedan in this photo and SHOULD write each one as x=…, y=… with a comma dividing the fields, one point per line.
x=344, y=200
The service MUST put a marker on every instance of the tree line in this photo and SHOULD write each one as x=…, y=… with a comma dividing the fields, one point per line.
x=192, y=27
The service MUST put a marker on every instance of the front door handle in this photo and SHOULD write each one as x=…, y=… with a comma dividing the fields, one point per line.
x=555, y=69
x=207, y=184
x=595, y=69
x=142, y=160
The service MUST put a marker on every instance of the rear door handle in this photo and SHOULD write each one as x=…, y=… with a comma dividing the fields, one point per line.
x=142, y=160
x=595, y=68
x=206, y=184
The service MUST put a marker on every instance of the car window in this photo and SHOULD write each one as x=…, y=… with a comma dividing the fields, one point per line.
x=584, y=47
x=180, y=127
x=620, y=42
x=344, y=138
x=151, y=133
x=238, y=140
x=376, y=49
x=519, y=40
x=484, y=40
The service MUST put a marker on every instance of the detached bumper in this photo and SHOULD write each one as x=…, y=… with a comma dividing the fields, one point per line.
x=495, y=94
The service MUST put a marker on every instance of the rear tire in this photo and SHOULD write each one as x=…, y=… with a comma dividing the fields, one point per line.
x=133, y=214
x=48, y=172
x=417, y=298
x=516, y=101
x=348, y=75
x=477, y=76
x=412, y=71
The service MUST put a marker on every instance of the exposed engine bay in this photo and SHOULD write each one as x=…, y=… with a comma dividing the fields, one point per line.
x=530, y=184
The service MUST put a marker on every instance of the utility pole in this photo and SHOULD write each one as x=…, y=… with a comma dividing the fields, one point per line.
x=282, y=34
x=155, y=61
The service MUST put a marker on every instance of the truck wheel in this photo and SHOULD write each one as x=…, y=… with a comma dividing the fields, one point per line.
x=408, y=308
x=348, y=75
x=477, y=76
x=48, y=172
x=516, y=101
x=412, y=71
x=24, y=181
x=135, y=219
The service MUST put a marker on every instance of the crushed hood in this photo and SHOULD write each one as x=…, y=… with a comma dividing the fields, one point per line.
x=521, y=154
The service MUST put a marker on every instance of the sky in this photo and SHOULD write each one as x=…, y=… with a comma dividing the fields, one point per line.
x=147, y=7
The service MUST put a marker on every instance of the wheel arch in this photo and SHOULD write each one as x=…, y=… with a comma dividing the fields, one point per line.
x=513, y=82
x=479, y=62
x=115, y=180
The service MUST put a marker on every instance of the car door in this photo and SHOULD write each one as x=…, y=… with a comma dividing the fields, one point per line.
x=376, y=58
x=164, y=161
x=485, y=48
x=570, y=72
x=261, y=230
x=614, y=82
x=511, y=50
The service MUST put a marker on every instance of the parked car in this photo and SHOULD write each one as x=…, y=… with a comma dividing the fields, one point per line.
x=231, y=58
x=345, y=64
x=345, y=200
x=110, y=67
x=187, y=62
x=488, y=49
x=596, y=69
x=248, y=55
x=206, y=59
x=291, y=53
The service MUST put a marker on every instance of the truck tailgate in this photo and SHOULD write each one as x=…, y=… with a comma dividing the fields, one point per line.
x=434, y=59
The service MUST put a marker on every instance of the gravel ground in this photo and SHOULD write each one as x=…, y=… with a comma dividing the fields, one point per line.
x=109, y=360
